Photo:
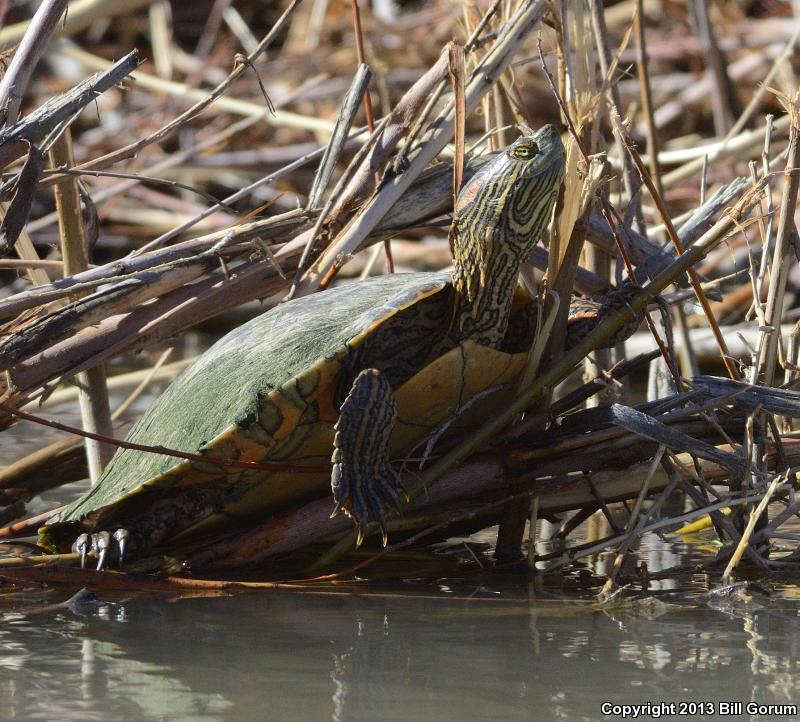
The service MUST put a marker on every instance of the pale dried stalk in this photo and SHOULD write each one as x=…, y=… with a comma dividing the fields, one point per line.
x=746, y=142
x=783, y=253
x=237, y=106
x=755, y=514
x=16, y=78
x=82, y=13
x=204, y=99
x=93, y=396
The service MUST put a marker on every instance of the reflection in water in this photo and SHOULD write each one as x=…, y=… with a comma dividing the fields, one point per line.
x=411, y=652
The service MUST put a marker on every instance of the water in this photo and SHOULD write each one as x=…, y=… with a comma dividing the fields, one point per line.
x=447, y=649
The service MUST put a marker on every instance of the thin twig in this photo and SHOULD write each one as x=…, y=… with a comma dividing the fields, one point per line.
x=57, y=110
x=18, y=74
x=223, y=463
x=755, y=515
x=673, y=236
x=781, y=262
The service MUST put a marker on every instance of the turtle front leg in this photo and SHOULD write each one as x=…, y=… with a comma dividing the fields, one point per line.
x=363, y=482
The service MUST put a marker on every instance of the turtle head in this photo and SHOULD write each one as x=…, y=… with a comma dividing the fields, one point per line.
x=512, y=198
x=534, y=165
x=537, y=152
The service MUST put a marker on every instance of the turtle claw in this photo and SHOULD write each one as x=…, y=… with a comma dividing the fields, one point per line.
x=121, y=536
x=81, y=546
x=361, y=533
x=103, y=546
x=100, y=546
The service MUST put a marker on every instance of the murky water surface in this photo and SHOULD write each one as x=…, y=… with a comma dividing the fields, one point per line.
x=423, y=651
x=460, y=647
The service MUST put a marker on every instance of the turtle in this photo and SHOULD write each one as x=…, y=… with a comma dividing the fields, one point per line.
x=331, y=387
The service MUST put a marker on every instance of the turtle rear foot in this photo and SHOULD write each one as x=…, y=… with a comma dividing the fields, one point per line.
x=102, y=545
x=363, y=482
x=585, y=315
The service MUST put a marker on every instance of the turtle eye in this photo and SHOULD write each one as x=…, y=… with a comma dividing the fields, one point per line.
x=525, y=152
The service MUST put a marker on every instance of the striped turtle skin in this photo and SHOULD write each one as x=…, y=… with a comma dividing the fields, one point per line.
x=498, y=218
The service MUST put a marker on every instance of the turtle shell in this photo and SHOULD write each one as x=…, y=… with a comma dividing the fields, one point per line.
x=267, y=392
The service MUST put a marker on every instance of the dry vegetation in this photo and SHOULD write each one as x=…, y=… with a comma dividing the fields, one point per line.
x=241, y=160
